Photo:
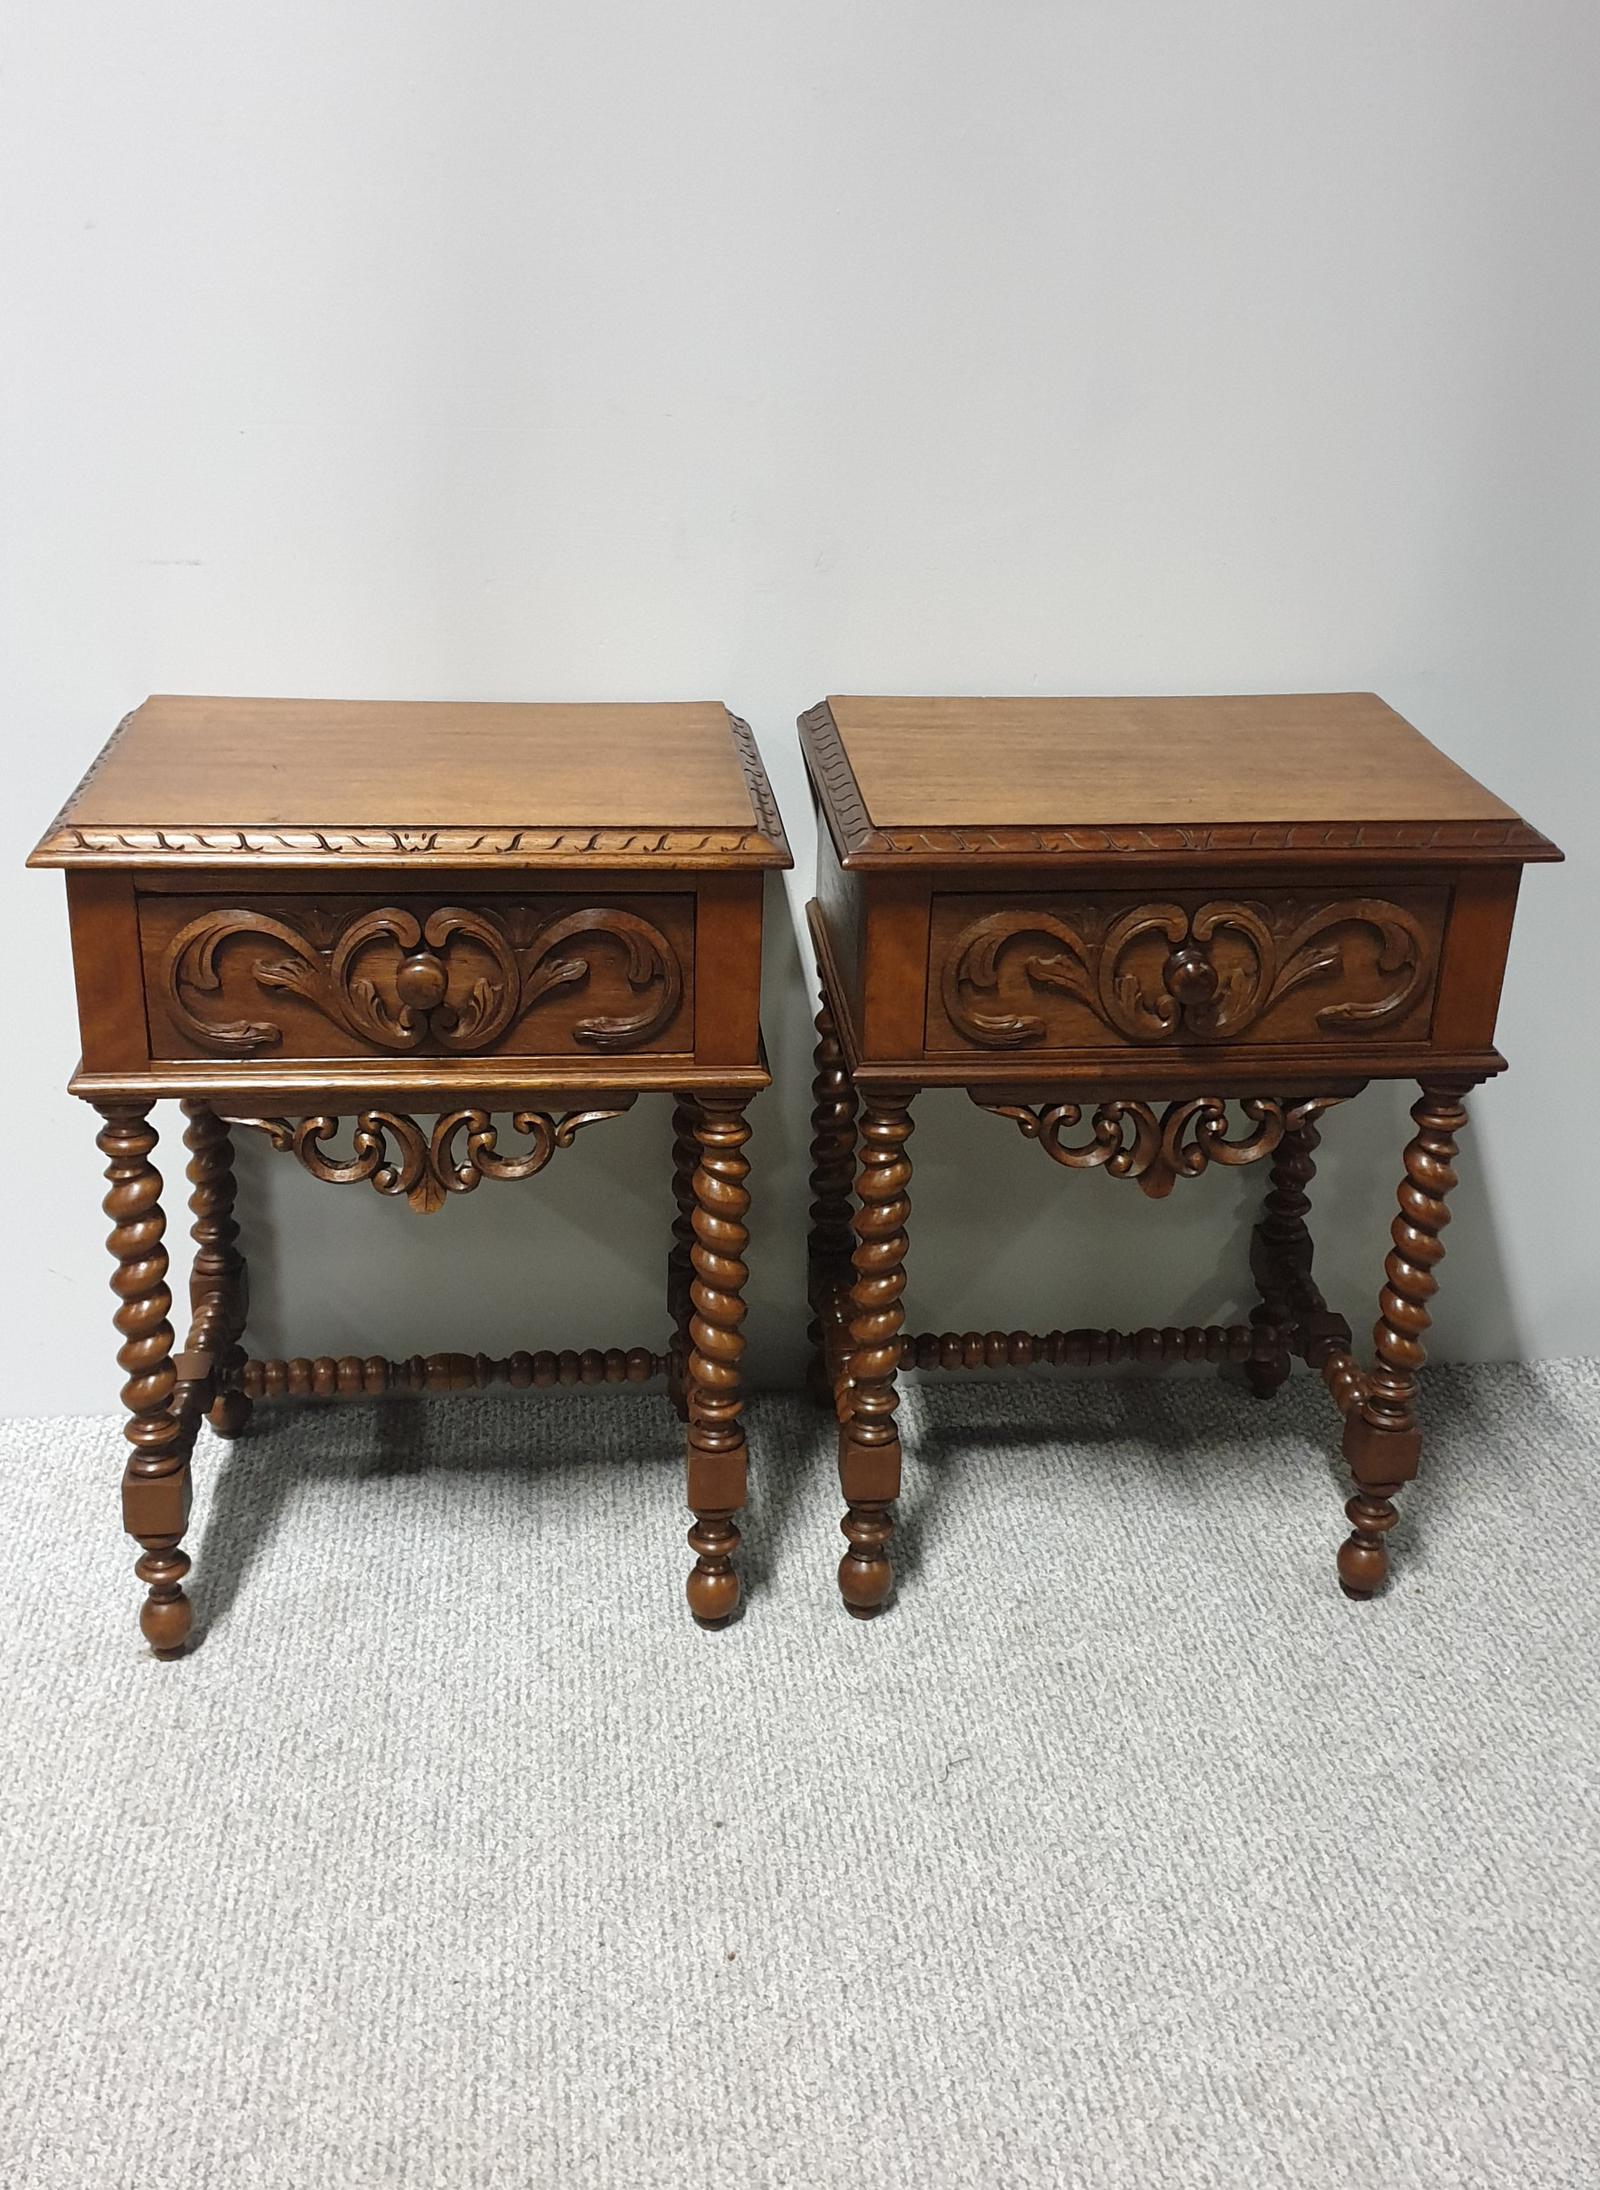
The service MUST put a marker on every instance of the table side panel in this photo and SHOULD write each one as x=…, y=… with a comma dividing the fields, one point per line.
x=895, y=968
x=103, y=912
x=877, y=932
x=727, y=970
x=841, y=902
x=1472, y=967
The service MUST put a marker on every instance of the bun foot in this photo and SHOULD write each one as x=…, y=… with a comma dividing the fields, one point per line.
x=713, y=1587
x=230, y=1417
x=865, y=1574
x=713, y=1620
x=1263, y=1378
x=166, y=1616
x=1363, y=1556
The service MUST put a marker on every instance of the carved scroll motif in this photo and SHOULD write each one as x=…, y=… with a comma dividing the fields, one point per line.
x=1191, y=995
x=1129, y=1141
x=387, y=977
x=426, y=1167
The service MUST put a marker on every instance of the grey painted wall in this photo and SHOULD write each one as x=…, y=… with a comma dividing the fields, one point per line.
x=591, y=350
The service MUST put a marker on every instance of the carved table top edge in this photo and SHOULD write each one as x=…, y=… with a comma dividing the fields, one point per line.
x=758, y=785
x=1061, y=846
x=495, y=848
x=73, y=842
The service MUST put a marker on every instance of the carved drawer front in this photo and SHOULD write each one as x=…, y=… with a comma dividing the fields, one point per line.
x=335, y=977
x=1195, y=966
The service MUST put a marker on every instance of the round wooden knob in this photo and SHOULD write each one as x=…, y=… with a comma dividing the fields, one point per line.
x=1190, y=976
x=421, y=981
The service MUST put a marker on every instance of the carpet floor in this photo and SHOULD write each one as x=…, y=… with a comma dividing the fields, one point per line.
x=1123, y=1852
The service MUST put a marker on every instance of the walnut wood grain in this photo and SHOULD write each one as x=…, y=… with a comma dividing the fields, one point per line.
x=1312, y=773
x=352, y=783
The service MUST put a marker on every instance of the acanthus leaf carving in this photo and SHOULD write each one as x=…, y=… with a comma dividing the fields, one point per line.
x=427, y=1167
x=385, y=977
x=1128, y=1139
x=1194, y=997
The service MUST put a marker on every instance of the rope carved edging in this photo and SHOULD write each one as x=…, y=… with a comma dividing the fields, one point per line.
x=426, y=1167
x=831, y=766
x=1128, y=1140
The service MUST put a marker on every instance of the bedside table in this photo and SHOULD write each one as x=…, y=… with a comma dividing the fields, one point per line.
x=292, y=913
x=1153, y=935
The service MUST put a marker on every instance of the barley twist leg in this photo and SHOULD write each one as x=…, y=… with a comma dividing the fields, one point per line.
x=155, y=1483
x=1280, y=1254
x=717, y=1460
x=680, y=1261
x=219, y=1283
x=869, y=1440
x=1382, y=1439
x=831, y=1240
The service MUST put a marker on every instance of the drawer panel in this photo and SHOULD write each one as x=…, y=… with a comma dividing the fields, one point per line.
x=331, y=976
x=1071, y=972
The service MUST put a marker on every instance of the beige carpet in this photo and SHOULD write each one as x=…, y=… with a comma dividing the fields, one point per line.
x=1124, y=1852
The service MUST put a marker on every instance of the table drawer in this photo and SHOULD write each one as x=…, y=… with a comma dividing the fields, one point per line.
x=1067, y=972
x=334, y=976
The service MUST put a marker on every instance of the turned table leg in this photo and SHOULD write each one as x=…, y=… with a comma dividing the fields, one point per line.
x=1382, y=1439
x=219, y=1282
x=155, y=1483
x=1280, y=1254
x=869, y=1442
x=833, y=1162
x=717, y=1461
x=680, y=1260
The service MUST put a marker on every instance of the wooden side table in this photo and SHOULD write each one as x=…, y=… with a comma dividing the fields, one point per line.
x=1154, y=935
x=288, y=913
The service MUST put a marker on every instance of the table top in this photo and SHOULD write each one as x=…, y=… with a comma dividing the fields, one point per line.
x=906, y=781
x=289, y=782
